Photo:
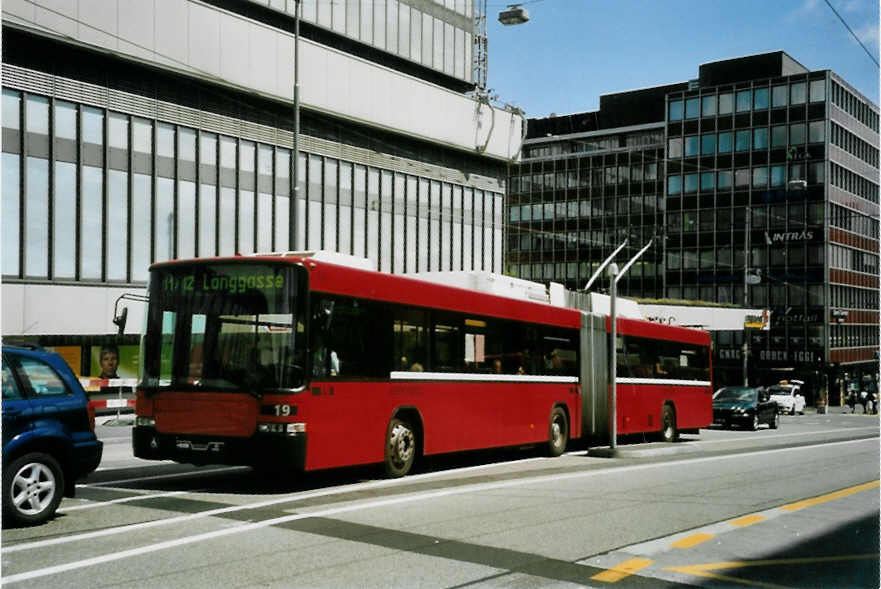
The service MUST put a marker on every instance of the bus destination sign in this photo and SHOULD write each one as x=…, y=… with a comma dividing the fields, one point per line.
x=261, y=279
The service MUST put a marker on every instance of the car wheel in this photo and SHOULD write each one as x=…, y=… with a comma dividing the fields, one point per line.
x=33, y=486
x=754, y=425
x=775, y=421
x=400, y=448
x=668, y=425
x=558, y=433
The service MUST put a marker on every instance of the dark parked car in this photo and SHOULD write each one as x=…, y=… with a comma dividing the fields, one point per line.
x=744, y=406
x=48, y=434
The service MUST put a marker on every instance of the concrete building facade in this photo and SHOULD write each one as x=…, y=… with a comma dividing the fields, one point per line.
x=136, y=132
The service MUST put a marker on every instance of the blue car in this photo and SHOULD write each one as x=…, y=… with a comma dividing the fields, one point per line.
x=48, y=434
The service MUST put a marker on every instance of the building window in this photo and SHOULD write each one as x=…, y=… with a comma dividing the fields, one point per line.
x=797, y=133
x=675, y=110
x=797, y=93
x=760, y=177
x=742, y=140
x=760, y=138
x=726, y=142
x=778, y=176
x=760, y=98
x=779, y=96
x=708, y=105
x=708, y=144
x=726, y=103
x=691, y=146
x=778, y=136
x=818, y=90
x=674, y=185
x=708, y=181
x=744, y=100
x=816, y=131
x=692, y=108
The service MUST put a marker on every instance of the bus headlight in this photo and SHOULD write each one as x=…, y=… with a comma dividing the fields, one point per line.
x=145, y=421
x=290, y=429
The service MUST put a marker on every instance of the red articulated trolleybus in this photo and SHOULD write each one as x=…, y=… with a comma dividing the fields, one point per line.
x=309, y=361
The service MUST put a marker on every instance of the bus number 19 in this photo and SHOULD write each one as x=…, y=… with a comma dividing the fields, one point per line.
x=282, y=410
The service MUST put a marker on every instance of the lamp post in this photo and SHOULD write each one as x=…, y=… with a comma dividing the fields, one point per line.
x=613, y=358
x=614, y=276
x=295, y=174
x=515, y=14
x=746, y=280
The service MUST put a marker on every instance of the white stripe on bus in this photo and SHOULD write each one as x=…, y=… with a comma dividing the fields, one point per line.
x=667, y=381
x=467, y=376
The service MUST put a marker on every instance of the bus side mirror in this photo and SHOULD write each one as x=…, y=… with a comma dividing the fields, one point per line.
x=120, y=320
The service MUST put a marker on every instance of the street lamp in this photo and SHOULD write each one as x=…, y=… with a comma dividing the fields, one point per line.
x=295, y=175
x=515, y=14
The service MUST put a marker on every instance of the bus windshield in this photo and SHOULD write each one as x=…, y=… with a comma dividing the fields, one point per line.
x=224, y=327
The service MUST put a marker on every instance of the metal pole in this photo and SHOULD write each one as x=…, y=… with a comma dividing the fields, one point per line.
x=295, y=176
x=613, y=358
x=746, y=253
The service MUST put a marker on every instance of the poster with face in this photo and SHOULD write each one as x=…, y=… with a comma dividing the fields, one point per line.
x=112, y=361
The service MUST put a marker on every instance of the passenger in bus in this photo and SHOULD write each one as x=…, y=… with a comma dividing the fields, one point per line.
x=497, y=366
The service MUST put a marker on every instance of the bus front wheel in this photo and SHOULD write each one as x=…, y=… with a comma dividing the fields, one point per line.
x=669, y=433
x=558, y=433
x=400, y=448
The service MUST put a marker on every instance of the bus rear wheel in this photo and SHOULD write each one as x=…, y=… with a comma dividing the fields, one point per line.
x=400, y=448
x=558, y=434
x=669, y=433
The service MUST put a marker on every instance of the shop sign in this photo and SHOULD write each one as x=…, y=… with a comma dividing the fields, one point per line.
x=788, y=236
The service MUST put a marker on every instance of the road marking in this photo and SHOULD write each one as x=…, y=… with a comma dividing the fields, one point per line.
x=830, y=496
x=623, y=570
x=661, y=545
x=159, y=477
x=244, y=528
x=693, y=540
x=748, y=520
x=94, y=504
x=704, y=570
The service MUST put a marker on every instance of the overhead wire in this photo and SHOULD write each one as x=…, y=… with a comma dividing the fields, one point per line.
x=847, y=26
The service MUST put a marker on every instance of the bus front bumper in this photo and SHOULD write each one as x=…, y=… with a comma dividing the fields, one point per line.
x=281, y=451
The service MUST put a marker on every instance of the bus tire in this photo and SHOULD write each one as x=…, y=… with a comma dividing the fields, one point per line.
x=400, y=448
x=669, y=433
x=558, y=432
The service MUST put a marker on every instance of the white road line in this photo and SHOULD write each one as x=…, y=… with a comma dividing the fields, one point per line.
x=159, y=477
x=94, y=504
x=756, y=436
x=339, y=510
x=233, y=508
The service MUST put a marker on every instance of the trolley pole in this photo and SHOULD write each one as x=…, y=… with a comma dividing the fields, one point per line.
x=613, y=359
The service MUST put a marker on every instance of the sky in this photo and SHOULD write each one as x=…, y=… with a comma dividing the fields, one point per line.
x=572, y=51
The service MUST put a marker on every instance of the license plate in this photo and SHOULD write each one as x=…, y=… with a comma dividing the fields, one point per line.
x=199, y=446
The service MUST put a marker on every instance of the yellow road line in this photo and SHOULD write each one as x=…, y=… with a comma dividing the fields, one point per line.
x=693, y=540
x=748, y=520
x=623, y=570
x=830, y=496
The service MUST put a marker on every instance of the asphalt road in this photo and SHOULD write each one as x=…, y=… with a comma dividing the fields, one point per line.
x=795, y=507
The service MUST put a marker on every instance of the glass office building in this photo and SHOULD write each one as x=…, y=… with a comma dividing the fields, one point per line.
x=125, y=144
x=769, y=182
